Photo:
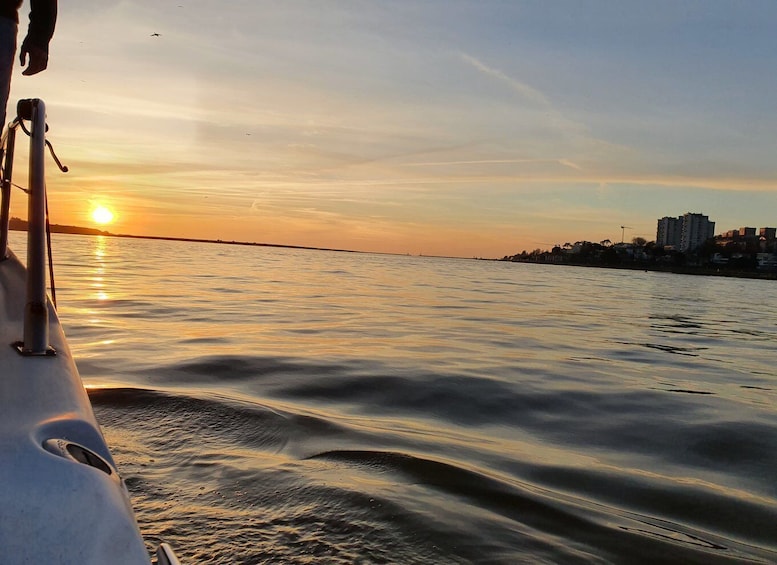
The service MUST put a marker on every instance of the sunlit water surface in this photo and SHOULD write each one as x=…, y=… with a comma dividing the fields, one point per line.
x=289, y=406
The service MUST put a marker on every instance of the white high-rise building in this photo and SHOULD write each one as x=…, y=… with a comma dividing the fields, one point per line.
x=696, y=229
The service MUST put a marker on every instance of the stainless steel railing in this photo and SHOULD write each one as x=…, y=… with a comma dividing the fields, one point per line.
x=36, y=313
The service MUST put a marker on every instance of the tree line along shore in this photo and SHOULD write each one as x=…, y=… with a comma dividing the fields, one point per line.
x=717, y=256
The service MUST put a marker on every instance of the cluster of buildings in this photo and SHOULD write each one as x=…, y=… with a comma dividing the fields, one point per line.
x=690, y=231
x=685, y=242
x=685, y=233
x=744, y=234
x=742, y=248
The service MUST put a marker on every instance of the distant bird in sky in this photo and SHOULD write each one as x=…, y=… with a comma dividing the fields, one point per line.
x=155, y=35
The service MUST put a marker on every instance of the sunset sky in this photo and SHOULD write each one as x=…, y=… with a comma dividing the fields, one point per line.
x=449, y=127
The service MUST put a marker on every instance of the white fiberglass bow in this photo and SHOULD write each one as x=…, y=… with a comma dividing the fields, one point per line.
x=61, y=497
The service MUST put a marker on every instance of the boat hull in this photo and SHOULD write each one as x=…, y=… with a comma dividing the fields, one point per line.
x=62, y=499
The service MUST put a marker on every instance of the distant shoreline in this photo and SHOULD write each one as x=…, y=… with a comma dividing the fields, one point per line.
x=17, y=224
x=695, y=271
x=232, y=242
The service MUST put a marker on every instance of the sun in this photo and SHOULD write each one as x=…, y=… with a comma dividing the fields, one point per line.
x=102, y=215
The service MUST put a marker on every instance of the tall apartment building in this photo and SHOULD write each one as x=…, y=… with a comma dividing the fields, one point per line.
x=685, y=233
x=697, y=229
x=669, y=231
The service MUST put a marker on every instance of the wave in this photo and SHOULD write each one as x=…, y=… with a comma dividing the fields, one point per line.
x=673, y=425
x=279, y=474
x=607, y=532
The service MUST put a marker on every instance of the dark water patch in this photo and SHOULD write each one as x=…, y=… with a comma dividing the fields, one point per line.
x=225, y=369
x=449, y=307
x=675, y=322
x=759, y=335
x=122, y=304
x=185, y=417
x=670, y=534
x=688, y=391
x=204, y=340
x=754, y=387
x=671, y=348
x=590, y=358
x=645, y=422
x=228, y=290
x=229, y=422
x=620, y=422
x=725, y=515
x=569, y=416
x=158, y=311
x=619, y=419
x=744, y=449
x=732, y=444
x=549, y=517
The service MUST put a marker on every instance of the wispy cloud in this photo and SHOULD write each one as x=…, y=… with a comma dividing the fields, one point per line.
x=562, y=162
x=529, y=94
x=521, y=88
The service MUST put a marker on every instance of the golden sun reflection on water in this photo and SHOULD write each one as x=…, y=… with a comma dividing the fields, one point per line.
x=99, y=252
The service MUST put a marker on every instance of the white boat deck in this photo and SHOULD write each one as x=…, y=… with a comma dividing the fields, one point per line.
x=62, y=500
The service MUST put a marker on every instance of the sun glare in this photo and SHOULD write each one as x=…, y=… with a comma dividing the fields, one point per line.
x=102, y=215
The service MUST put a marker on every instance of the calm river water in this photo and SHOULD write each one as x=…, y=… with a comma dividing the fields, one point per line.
x=289, y=406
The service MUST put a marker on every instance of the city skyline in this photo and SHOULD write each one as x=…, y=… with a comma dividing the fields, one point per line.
x=464, y=128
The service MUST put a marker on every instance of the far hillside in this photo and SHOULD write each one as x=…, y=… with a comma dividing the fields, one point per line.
x=21, y=225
